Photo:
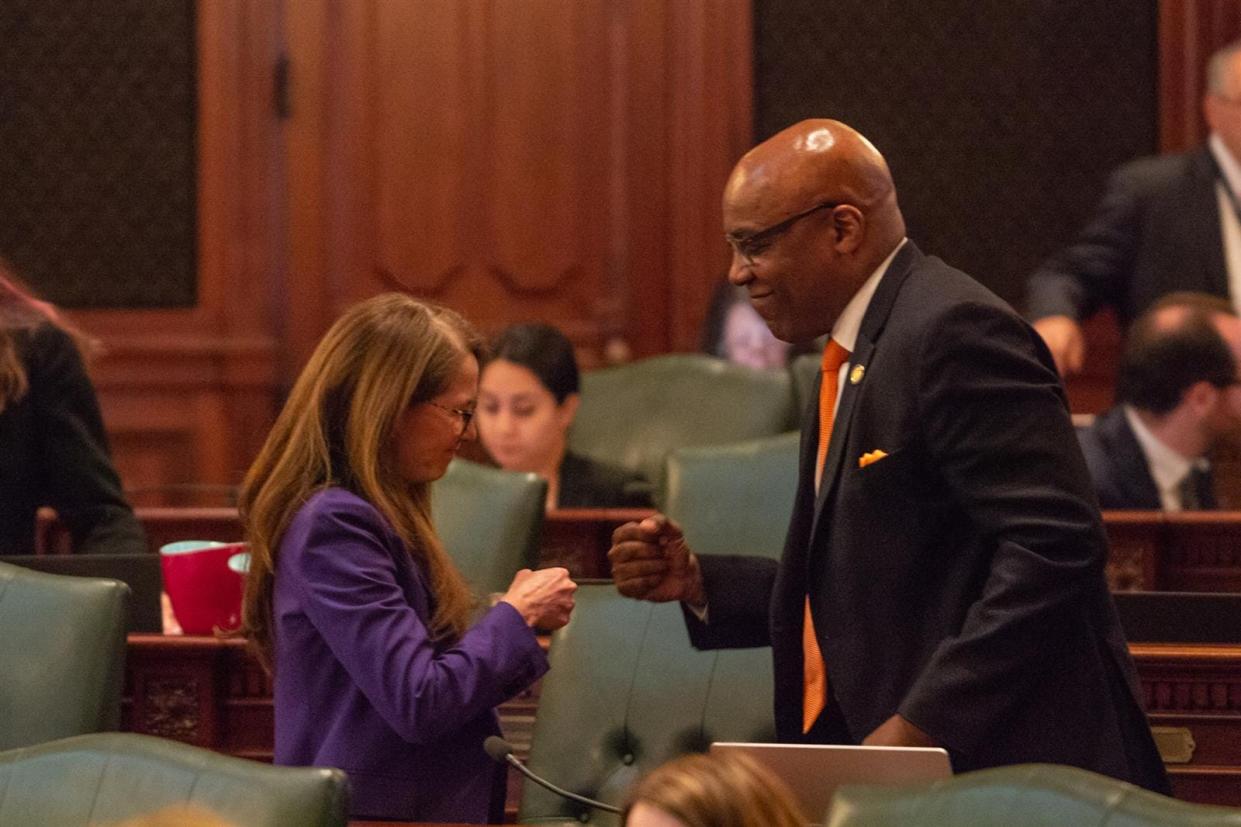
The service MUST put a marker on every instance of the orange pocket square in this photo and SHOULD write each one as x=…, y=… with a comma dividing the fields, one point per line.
x=869, y=457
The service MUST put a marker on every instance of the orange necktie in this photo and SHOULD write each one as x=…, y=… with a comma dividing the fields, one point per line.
x=813, y=669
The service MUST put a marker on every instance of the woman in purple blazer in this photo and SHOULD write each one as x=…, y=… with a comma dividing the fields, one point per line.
x=382, y=666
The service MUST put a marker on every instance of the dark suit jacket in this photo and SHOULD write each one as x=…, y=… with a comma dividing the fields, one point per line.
x=1122, y=477
x=1156, y=231
x=959, y=580
x=53, y=452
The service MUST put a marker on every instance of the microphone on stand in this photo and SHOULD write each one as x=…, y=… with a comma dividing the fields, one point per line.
x=502, y=752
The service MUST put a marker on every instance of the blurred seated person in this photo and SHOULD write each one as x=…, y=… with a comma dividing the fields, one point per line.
x=527, y=398
x=53, y=450
x=383, y=664
x=1164, y=223
x=709, y=791
x=1178, y=397
x=734, y=331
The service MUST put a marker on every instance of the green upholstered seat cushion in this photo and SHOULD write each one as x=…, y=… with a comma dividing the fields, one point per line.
x=1027, y=795
x=103, y=778
x=63, y=655
x=626, y=692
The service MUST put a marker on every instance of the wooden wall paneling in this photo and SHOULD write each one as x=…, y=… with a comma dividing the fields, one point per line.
x=516, y=161
x=169, y=379
x=309, y=46
x=489, y=134
x=710, y=126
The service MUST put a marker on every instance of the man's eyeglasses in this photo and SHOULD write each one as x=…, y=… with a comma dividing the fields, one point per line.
x=752, y=245
x=466, y=415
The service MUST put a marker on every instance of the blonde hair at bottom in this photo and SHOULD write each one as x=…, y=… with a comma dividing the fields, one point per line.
x=717, y=791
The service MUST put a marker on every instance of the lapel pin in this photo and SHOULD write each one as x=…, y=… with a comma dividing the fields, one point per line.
x=856, y=374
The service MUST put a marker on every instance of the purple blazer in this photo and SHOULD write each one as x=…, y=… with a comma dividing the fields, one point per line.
x=359, y=685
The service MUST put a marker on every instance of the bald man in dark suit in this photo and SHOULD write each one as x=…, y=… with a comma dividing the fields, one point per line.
x=944, y=561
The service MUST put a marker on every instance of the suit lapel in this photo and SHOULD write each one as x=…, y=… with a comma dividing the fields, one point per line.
x=863, y=350
x=1215, y=271
x=1133, y=475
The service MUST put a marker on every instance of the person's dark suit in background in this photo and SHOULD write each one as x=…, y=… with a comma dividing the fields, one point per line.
x=1164, y=224
x=953, y=555
x=53, y=449
x=1179, y=396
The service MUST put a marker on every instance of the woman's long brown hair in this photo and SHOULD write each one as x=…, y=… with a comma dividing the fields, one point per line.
x=336, y=430
x=20, y=310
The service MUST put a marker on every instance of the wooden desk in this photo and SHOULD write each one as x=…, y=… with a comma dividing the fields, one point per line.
x=211, y=693
x=577, y=538
x=1149, y=550
x=1192, y=695
x=1192, y=552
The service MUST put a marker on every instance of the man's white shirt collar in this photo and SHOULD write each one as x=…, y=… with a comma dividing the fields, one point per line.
x=846, y=329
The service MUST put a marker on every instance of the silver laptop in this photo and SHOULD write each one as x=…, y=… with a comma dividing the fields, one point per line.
x=813, y=772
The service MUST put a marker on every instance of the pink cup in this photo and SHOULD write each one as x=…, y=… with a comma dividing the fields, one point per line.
x=204, y=590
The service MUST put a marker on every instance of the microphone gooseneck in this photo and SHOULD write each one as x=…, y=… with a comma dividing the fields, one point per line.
x=501, y=751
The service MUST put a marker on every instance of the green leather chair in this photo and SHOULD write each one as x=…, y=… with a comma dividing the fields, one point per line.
x=62, y=646
x=490, y=521
x=736, y=498
x=804, y=372
x=104, y=778
x=626, y=692
x=635, y=414
x=1026, y=795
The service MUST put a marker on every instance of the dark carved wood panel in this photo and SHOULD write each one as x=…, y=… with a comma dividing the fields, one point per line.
x=1194, y=552
x=1196, y=691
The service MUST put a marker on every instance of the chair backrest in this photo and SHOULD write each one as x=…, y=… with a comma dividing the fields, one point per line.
x=635, y=414
x=804, y=372
x=489, y=520
x=141, y=572
x=1025, y=795
x=626, y=692
x=105, y=778
x=62, y=643
x=736, y=498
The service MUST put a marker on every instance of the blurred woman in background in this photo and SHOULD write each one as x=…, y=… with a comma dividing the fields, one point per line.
x=528, y=397
x=734, y=331
x=380, y=666
x=53, y=449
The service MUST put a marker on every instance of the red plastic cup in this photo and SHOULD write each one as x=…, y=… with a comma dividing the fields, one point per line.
x=204, y=590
